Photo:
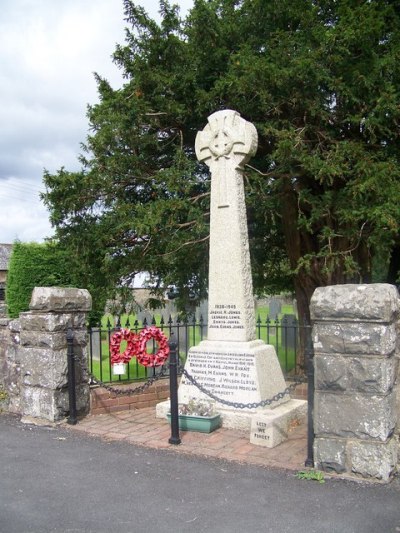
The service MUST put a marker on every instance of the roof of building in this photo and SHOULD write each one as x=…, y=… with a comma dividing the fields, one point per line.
x=5, y=252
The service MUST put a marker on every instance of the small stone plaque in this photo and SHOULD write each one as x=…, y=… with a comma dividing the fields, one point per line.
x=272, y=428
x=119, y=369
x=269, y=431
x=260, y=432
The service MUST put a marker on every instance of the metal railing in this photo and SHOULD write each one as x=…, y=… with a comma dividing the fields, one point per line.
x=283, y=334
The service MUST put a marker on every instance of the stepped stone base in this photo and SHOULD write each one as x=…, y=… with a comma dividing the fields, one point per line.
x=243, y=373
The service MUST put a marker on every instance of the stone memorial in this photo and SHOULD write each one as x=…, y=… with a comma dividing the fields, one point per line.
x=231, y=364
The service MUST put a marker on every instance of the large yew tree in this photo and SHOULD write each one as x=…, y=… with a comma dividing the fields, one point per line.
x=320, y=81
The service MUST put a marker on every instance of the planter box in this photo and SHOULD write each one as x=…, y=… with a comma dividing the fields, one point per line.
x=203, y=424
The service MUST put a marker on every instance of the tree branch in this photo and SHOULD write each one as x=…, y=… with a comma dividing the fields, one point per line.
x=188, y=243
x=199, y=196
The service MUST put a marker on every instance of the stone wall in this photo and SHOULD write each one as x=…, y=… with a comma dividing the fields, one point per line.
x=356, y=367
x=35, y=371
x=4, y=341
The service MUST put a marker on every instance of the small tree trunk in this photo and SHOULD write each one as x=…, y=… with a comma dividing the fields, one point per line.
x=394, y=265
x=304, y=288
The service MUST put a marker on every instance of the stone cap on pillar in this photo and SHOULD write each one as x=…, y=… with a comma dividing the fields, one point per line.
x=60, y=299
x=374, y=302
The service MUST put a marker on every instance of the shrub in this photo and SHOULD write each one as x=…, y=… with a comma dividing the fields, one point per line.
x=34, y=265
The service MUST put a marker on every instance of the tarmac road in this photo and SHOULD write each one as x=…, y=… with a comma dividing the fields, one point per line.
x=53, y=479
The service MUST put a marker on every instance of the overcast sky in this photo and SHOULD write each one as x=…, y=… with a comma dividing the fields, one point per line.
x=49, y=50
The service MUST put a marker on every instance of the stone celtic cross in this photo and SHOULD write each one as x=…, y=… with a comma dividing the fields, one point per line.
x=225, y=145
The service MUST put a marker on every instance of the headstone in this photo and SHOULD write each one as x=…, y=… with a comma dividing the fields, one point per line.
x=202, y=311
x=231, y=364
x=95, y=343
x=294, y=304
x=201, y=318
x=181, y=337
x=289, y=332
x=144, y=315
x=169, y=310
x=274, y=309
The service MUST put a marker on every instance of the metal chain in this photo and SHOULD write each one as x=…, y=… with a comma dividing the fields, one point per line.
x=239, y=405
x=193, y=380
x=124, y=391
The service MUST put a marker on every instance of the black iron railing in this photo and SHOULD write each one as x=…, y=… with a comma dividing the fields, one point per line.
x=285, y=334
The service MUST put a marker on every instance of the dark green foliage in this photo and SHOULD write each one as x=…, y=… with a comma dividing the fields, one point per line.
x=320, y=80
x=34, y=265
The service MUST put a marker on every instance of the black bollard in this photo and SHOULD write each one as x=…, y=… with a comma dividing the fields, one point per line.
x=173, y=393
x=72, y=418
x=309, y=353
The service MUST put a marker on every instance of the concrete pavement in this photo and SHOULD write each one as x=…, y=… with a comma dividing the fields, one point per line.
x=58, y=480
x=140, y=426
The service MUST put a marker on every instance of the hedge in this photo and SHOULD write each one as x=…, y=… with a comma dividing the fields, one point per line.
x=34, y=265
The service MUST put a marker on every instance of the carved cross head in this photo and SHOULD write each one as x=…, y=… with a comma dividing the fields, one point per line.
x=226, y=136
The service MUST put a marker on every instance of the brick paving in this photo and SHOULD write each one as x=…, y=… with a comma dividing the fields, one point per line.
x=140, y=426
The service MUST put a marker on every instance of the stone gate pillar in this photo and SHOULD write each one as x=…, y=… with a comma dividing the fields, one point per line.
x=37, y=359
x=356, y=367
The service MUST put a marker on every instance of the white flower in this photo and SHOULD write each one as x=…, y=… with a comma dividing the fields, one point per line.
x=197, y=407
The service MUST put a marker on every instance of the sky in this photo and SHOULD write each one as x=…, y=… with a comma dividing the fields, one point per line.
x=49, y=50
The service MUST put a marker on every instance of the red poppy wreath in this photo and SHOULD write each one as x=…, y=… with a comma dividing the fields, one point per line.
x=115, y=344
x=160, y=357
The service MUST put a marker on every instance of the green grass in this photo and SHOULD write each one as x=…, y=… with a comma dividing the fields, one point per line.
x=263, y=311
x=315, y=475
x=275, y=336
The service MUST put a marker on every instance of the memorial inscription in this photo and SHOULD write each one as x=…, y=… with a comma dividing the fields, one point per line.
x=226, y=316
x=224, y=374
x=259, y=432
